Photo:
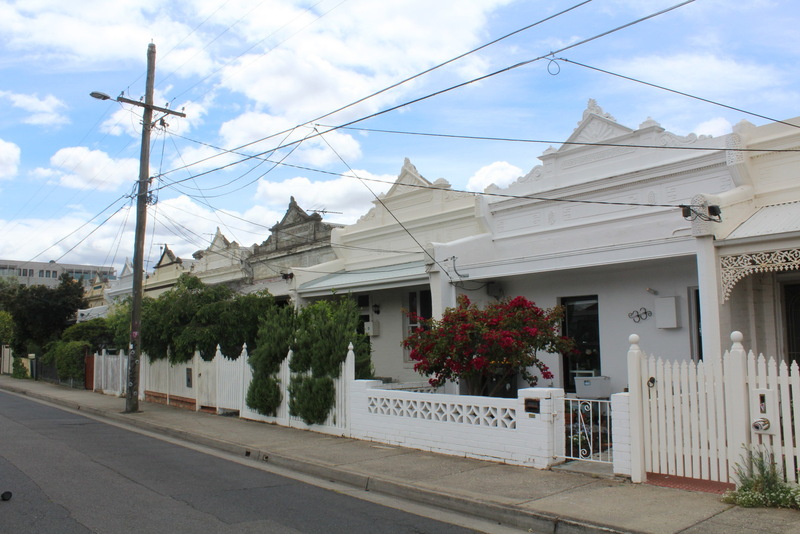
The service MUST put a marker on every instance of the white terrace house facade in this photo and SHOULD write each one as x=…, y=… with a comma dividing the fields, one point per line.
x=592, y=229
x=384, y=260
x=750, y=262
x=222, y=262
x=595, y=229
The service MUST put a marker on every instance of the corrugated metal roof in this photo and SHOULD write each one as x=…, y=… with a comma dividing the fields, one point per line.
x=363, y=279
x=777, y=219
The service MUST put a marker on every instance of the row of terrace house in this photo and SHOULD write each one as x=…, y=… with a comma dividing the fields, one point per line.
x=595, y=228
x=298, y=240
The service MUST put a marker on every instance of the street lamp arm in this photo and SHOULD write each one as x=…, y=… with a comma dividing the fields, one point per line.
x=103, y=96
x=152, y=107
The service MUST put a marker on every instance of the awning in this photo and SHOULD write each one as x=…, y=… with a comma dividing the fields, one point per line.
x=780, y=221
x=390, y=276
x=769, y=220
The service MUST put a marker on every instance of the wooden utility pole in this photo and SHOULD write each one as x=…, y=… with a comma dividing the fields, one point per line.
x=132, y=397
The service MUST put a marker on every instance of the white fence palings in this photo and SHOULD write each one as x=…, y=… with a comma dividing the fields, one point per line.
x=695, y=417
x=205, y=380
x=230, y=381
x=682, y=434
x=496, y=429
x=110, y=371
x=781, y=442
x=337, y=421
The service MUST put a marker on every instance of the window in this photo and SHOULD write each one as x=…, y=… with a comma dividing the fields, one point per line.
x=41, y=273
x=420, y=303
x=581, y=323
x=55, y=274
x=47, y=274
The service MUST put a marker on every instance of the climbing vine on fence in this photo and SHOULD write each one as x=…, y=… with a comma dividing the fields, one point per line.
x=275, y=334
x=319, y=336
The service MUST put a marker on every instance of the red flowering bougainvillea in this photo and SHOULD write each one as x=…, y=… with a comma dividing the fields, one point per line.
x=484, y=347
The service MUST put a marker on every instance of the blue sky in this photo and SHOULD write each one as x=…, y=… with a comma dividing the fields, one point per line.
x=245, y=70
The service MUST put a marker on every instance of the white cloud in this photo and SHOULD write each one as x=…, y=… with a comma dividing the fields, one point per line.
x=81, y=168
x=707, y=75
x=314, y=151
x=499, y=173
x=356, y=51
x=9, y=159
x=350, y=196
x=72, y=35
x=29, y=238
x=43, y=111
x=716, y=127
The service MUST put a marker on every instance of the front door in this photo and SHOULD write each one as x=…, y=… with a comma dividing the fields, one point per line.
x=581, y=323
x=791, y=295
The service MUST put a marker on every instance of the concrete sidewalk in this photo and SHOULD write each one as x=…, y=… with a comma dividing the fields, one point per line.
x=534, y=500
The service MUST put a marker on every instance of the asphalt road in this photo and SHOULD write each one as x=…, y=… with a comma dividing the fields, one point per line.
x=72, y=474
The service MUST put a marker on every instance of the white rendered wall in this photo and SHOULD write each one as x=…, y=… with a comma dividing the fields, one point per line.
x=621, y=432
x=620, y=289
x=474, y=427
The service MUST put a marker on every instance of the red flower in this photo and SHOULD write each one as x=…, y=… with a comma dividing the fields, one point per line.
x=473, y=344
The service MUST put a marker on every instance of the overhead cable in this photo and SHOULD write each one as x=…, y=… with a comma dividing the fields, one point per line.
x=709, y=101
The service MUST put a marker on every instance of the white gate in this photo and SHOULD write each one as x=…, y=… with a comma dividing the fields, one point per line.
x=685, y=410
x=587, y=430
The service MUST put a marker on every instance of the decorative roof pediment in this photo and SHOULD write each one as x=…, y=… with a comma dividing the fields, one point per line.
x=410, y=179
x=295, y=215
x=167, y=258
x=594, y=127
x=127, y=269
x=219, y=243
x=296, y=228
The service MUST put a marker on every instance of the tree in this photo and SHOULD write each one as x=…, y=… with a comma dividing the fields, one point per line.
x=485, y=347
x=95, y=332
x=6, y=328
x=118, y=320
x=68, y=357
x=41, y=313
x=194, y=316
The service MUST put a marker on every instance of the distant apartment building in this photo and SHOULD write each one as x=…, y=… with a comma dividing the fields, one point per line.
x=31, y=273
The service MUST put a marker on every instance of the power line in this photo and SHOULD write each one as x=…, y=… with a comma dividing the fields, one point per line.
x=484, y=193
x=390, y=212
x=578, y=143
x=448, y=89
x=80, y=227
x=406, y=80
x=709, y=101
x=90, y=233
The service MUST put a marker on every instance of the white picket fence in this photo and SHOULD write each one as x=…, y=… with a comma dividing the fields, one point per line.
x=697, y=419
x=410, y=415
x=338, y=420
x=775, y=396
x=213, y=385
x=110, y=370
